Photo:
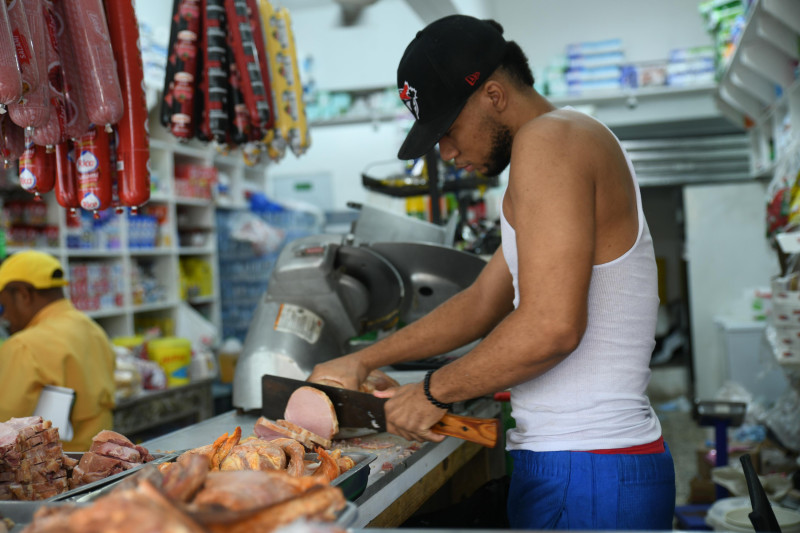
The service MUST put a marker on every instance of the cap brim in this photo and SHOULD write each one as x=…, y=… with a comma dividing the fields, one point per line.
x=423, y=137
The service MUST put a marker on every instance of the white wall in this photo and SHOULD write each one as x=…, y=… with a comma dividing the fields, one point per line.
x=366, y=55
x=649, y=29
x=727, y=253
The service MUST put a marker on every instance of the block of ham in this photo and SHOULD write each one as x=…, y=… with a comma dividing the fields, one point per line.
x=311, y=409
x=109, y=454
x=32, y=463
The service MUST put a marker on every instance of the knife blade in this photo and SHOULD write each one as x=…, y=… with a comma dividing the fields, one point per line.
x=361, y=410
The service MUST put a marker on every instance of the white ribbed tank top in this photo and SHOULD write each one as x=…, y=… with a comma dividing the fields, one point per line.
x=595, y=398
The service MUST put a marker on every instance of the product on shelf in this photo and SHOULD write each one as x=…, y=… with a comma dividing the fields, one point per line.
x=194, y=181
x=95, y=285
x=145, y=286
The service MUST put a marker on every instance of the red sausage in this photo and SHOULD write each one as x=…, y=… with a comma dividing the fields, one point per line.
x=133, y=148
x=95, y=59
x=34, y=110
x=12, y=141
x=94, y=169
x=28, y=67
x=75, y=117
x=246, y=56
x=268, y=111
x=53, y=132
x=186, y=51
x=37, y=171
x=66, y=180
x=10, y=76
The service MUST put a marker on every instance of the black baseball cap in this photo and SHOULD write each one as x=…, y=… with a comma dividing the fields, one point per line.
x=445, y=63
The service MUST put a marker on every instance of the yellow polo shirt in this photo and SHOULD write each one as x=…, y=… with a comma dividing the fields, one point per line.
x=63, y=347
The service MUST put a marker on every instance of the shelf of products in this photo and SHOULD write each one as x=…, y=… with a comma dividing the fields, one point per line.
x=758, y=86
x=141, y=266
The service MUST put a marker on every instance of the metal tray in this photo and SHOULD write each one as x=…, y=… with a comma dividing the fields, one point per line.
x=22, y=512
x=354, y=481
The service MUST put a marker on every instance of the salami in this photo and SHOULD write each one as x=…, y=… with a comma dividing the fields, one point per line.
x=52, y=132
x=33, y=111
x=28, y=68
x=91, y=46
x=66, y=182
x=76, y=120
x=10, y=76
x=12, y=141
x=93, y=165
x=133, y=146
x=37, y=172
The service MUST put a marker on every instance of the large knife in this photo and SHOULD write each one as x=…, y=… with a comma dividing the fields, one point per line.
x=361, y=410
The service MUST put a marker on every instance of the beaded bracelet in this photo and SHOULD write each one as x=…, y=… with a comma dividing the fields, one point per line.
x=427, y=387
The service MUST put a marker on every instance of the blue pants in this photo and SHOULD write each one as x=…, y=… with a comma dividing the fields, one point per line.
x=581, y=490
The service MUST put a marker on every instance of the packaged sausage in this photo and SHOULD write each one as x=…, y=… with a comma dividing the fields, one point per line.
x=12, y=141
x=239, y=117
x=33, y=110
x=258, y=39
x=53, y=132
x=10, y=76
x=66, y=186
x=26, y=60
x=292, y=98
x=76, y=120
x=165, y=112
x=182, y=69
x=213, y=123
x=131, y=166
x=37, y=172
x=93, y=165
x=245, y=54
x=275, y=43
x=91, y=46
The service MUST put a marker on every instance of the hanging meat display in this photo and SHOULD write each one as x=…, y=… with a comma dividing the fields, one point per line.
x=72, y=83
x=236, y=71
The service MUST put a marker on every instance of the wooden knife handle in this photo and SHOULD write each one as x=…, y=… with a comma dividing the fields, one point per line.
x=483, y=431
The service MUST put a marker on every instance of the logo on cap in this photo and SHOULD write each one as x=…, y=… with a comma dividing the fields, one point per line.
x=472, y=79
x=408, y=95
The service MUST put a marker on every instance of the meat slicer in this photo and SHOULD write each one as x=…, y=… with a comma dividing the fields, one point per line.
x=327, y=290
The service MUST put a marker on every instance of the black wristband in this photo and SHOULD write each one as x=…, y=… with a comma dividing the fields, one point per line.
x=427, y=387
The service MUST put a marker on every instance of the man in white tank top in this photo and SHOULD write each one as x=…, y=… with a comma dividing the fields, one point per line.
x=566, y=308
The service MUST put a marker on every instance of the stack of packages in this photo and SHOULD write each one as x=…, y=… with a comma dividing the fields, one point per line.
x=32, y=463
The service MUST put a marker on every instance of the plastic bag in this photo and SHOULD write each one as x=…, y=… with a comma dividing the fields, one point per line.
x=263, y=238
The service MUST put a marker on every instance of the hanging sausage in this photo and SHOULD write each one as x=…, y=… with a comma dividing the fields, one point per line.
x=133, y=146
x=92, y=51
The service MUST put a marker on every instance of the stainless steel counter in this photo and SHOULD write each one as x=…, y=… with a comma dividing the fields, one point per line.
x=392, y=477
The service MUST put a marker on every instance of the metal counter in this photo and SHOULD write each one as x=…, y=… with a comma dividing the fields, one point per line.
x=397, y=486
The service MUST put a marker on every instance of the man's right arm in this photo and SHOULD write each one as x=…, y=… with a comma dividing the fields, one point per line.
x=467, y=316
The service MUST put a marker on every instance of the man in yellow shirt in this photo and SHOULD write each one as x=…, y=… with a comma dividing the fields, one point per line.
x=52, y=343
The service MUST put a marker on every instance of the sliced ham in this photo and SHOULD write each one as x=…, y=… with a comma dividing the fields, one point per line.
x=269, y=430
x=312, y=410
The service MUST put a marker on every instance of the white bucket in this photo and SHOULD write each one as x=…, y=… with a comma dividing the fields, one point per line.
x=731, y=514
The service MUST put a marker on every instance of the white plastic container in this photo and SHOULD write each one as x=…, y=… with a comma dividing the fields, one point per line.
x=731, y=514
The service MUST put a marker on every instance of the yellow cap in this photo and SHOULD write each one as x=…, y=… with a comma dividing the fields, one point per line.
x=41, y=270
